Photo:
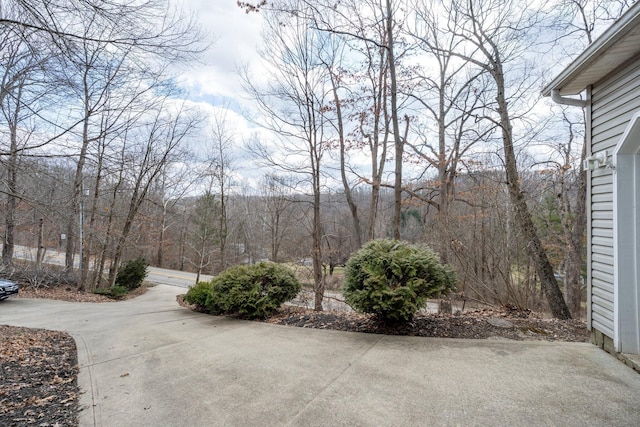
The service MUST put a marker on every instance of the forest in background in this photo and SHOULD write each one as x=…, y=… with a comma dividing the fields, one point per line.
x=417, y=120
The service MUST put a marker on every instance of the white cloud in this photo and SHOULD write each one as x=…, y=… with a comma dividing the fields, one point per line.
x=237, y=36
x=215, y=87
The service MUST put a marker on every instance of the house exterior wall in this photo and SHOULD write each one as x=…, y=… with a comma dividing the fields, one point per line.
x=614, y=100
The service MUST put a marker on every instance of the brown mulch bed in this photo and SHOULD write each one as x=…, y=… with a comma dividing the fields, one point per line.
x=39, y=384
x=67, y=293
x=505, y=323
x=477, y=324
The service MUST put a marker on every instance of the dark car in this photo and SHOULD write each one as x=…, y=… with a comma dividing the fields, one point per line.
x=7, y=288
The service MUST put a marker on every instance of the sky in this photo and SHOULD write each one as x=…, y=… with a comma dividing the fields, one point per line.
x=236, y=37
x=215, y=85
x=216, y=88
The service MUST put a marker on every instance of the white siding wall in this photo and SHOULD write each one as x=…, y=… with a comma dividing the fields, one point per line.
x=614, y=101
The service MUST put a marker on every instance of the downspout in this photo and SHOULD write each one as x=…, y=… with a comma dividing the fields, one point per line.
x=582, y=103
x=559, y=99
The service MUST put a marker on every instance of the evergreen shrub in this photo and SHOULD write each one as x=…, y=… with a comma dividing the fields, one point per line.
x=394, y=279
x=115, y=292
x=198, y=294
x=132, y=273
x=252, y=291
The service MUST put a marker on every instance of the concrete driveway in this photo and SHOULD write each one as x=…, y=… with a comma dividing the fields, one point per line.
x=149, y=362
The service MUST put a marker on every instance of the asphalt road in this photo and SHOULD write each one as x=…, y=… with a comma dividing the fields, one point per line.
x=158, y=276
x=182, y=279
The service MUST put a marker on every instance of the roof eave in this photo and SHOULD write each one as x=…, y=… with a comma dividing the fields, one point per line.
x=598, y=48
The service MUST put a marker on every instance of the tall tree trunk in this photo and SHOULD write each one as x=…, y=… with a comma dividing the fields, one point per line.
x=10, y=224
x=316, y=228
x=574, y=243
x=12, y=182
x=201, y=264
x=108, y=239
x=163, y=224
x=275, y=235
x=353, y=208
x=90, y=240
x=139, y=194
x=443, y=178
x=41, y=248
x=377, y=171
x=398, y=142
x=183, y=237
x=77, y=183
x=377, y=164
x=536, y=251
x=223, y=224
x=317, y=245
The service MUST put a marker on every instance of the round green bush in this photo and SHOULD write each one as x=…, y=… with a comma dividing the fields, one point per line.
x=198, y=294
x=132, y=273
x=253, y=291
x=393, y=279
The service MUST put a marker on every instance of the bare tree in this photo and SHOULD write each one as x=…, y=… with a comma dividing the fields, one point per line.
x=333, y=65
x=277, y=199
x=204, y=236
x=292, y=105
x=399, y=139
x=361, y=90
x=451, y=97
x=151, y=26
x=171, y=186
x=494, y=33
x=94, y=72
x=218, y=171
x=23, y=86
x=100, y=45
x=388, y=17
x=150, y=148
x=373, y=126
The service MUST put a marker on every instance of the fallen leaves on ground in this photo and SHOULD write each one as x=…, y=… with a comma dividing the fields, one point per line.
x=40, y=368
x=470, y=324
x=39, y=378
x=67, y=293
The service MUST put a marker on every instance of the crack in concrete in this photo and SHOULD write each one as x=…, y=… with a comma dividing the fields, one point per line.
x=338, y=376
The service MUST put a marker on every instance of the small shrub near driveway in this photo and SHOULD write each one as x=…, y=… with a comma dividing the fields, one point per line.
x=394, y=279
x=115, y=292
x=132, y=273
x=253, y=291
x=198, y=294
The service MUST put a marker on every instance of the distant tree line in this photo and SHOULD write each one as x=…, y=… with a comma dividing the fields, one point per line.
x=426, y=114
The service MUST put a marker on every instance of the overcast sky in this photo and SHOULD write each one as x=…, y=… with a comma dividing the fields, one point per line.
x=214, y=85
x=237, y=36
